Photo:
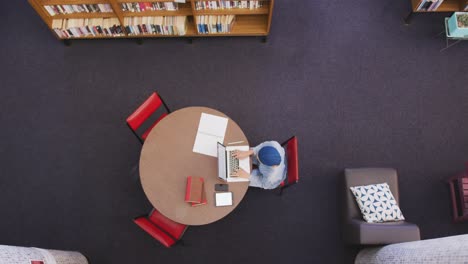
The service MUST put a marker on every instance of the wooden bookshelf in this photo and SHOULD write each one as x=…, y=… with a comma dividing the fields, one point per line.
x=85, y=15
x=250, y=25
x=248, y=22
x=191, y=32
x=445, y=6
x=71, y=2
x=180, y=12
x=264, y=10
x=135, y=1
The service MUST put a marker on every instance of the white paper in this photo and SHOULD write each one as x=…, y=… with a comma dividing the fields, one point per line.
x=211, y=130
x=223, y=199
x=179, y=1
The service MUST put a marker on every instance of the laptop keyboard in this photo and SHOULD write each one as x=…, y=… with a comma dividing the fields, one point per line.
x=233, y=162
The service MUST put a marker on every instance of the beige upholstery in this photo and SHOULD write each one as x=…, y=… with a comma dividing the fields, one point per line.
x=446, y=250
x=24, y=255
x=359, y=232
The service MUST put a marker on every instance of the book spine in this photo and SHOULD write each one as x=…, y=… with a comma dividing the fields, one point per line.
x=188, y=188
x=427, y=5
x=421, y=4
x=431, y=7
x=438, y=5
x=50, y=10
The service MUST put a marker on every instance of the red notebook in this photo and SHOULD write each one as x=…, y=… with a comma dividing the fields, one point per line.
x=203, y=197
x=194, y=189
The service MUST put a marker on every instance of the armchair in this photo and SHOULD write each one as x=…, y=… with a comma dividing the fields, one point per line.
x=359, y=232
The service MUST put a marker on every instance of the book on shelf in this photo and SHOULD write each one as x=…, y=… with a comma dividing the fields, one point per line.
x=156, y=25
x=215, y=24
x=194, y=189
x=429, y=5
x=226, y=4
x=149, y=6
x=71, y=9
x=87, y=27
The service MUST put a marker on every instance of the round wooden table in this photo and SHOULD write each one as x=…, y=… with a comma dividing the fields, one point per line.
x=167, y=159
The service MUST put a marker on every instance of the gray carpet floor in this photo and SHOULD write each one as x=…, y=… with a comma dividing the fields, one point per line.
x=357, y=86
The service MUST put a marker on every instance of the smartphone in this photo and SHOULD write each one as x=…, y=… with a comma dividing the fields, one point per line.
x=219, y=187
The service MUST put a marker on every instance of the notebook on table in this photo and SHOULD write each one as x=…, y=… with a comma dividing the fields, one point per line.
x=223, y=198
x=194, y=189
x=211, y=130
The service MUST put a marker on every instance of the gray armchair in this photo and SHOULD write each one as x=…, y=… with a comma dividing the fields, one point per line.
x=359, y=232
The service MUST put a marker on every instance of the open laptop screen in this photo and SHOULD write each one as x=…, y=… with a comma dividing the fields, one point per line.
x=221, y=161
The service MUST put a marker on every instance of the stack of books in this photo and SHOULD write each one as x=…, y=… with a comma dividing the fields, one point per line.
x=149, y=6
x=429, y=5
x=195, y=193
x=215, y=24
x=85, y=27
x=159, y=25
x=226, y=4
x=70, y=9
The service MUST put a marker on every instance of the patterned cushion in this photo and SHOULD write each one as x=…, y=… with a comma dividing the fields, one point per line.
x=377, y=203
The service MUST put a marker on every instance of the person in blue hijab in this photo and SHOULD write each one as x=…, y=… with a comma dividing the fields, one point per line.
x=269, y=157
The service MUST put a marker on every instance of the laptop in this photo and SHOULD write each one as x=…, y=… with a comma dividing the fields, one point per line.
x=227, y=163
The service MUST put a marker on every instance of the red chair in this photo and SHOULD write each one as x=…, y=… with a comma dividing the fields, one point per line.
x=161, y=228
x=290, y=147
x=459, y=195
x=135, y=120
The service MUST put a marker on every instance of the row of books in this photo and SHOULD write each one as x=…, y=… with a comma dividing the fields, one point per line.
x=160, y=25
x=149, y=6
x=70, y=9
x=195, y=193
x=84, y=27
x=429, y=5
x=226, y=4
x=215, y=24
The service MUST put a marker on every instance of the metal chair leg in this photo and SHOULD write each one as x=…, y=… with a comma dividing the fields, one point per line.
x=408, y=18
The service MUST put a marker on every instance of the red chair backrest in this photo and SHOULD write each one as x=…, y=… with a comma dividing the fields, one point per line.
x=174, y=229
x=154, y=231
x=463, y=186
x=145, y=110
x=293, y=163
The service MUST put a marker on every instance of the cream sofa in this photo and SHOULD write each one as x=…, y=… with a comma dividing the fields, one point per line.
x=446, y=250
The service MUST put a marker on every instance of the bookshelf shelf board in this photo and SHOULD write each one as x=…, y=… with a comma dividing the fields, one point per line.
x=446, y=6
x=251, y=25
x=180, y=12
x=97, y=37
x=84, y=15
x=133, y=1
x=72, y=2
x=259, y=11
x=162, y=36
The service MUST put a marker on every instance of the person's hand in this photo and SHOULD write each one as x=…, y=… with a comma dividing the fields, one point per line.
x=240, y=173
x=239, y=154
